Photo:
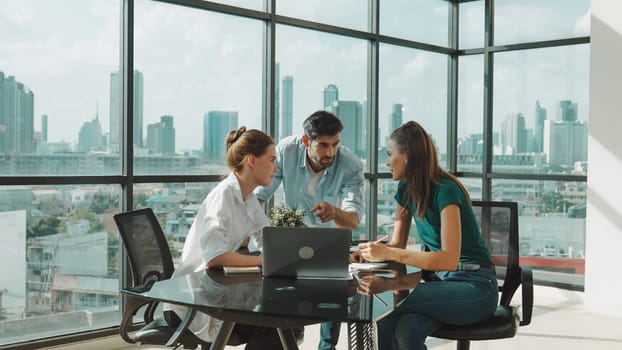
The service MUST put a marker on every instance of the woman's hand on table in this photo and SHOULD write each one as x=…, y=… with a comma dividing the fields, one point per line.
x=374, y=251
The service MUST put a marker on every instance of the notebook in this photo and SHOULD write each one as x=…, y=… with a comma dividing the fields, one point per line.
x=306, y=252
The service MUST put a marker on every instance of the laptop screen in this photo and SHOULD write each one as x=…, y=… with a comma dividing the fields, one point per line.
x=306, y=252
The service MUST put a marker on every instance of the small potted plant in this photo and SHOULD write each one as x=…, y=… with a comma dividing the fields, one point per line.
x=282, y=215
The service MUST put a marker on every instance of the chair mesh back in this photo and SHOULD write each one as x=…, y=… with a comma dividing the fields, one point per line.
x=498, y=223
x=147, y=250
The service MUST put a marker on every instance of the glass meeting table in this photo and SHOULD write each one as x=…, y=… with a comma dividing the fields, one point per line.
x=281, y=303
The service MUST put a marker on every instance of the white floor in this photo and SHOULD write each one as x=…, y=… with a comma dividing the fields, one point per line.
x=559, y=322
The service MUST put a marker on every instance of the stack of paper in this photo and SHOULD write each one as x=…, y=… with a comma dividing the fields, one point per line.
x=367, y=266
x=241, y=269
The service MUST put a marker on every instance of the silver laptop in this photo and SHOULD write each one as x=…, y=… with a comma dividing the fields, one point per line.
x=306, y=252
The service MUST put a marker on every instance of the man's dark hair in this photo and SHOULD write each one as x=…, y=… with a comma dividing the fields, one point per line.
x=322, y=123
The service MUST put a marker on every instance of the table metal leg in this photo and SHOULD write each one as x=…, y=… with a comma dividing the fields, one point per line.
x=362, y=335
x=288, y=340
x=223, y=335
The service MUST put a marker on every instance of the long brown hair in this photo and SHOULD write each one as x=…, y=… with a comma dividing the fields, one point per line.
x=241, y=142
x=422, y=167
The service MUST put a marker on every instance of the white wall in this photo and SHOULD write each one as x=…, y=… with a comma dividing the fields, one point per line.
x=13, y=256
x=603, y=281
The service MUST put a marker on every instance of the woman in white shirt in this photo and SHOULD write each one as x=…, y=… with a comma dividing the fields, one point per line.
x=227, y=218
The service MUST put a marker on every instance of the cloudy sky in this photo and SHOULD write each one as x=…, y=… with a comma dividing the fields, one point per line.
x=196, y=61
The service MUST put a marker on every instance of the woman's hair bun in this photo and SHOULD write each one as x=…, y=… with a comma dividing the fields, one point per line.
x=234, y=135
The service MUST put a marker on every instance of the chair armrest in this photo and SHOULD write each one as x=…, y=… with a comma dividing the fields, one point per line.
x=181, y=328
x=527, y=294
x=150, y=311
x=130, y=307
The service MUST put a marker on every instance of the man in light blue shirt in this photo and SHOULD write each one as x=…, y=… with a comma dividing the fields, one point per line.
x=318, y=176
x=323, y=179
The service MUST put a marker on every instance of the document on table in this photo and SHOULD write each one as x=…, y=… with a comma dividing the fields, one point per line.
x=241, y=269
x=368, y=266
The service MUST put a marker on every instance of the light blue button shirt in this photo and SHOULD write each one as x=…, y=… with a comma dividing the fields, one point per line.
x=341, y=184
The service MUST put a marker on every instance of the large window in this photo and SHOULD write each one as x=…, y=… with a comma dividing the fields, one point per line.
x=59, y=249
x=540, y=20
x=322, y=71
x=344, y=13
x=506, y=105
x=197, y=75
x=412, y=86
x=540, y=109
x=419, y=20
x=523, y=121
x=56, y=62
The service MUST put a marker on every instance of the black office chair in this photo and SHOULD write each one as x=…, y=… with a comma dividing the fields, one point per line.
x=150, y=261
x=499, y=225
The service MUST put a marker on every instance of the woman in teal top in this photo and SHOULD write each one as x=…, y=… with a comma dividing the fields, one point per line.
x=466, y=290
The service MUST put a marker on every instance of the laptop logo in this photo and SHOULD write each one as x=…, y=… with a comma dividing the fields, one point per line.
x=305, y=252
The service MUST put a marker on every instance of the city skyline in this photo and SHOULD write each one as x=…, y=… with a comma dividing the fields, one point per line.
x=563, y=139
x=190, y=88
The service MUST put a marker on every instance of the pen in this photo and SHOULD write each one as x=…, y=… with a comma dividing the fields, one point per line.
x=381, y=239
x=358, y=280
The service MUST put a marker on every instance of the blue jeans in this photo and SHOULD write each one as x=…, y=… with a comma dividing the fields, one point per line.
x=329, y=335
x=459, y=298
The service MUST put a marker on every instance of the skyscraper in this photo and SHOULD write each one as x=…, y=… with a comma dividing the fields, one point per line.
x=44, y=128
x=331, y=94
x=161, y=136
x=565, y=142
x=16, y=116
x=90, y=137
x=351, y=115
x=287, y=114
x=138, y=108
x=514, y=134
x=167, y=135
x=116, y=110
x=397, y=116
x=216, y=125
x=539, y=127
x=277, y=106
x=567, y=111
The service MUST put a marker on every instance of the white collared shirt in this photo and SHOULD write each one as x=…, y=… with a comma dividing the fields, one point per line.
x=222, y=223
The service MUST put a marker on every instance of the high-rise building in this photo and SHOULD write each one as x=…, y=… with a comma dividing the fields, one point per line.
x=26, y=121
x=216, y=125
x=567, y=111
x=167, y=135
x=565, y=142
x=90, y=137
x=153, y=137
x=514, y=134
x=287, y=112
x=277, y=104
x=44, y=128
x=114, y=134
x=161, y=136
x=138, y=108
x=351, y=115
x=397, y=116
x=116, y=110
x=331, y=95
x=16, y=116
x=539, y=127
